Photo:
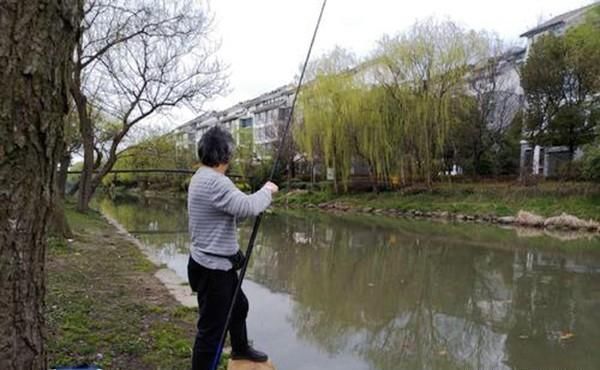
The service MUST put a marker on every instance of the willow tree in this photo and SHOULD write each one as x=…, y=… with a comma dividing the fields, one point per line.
x=423, y=71
x=394, y=112
x=369, y=131
x=245, y=154
x=327, y=104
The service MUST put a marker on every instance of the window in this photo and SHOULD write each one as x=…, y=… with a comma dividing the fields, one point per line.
x=246, y=122
x=284, y=113
x=262, y=134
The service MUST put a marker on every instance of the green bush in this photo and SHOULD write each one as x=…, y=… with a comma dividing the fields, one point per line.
x=255, y=174
x=294, y=184
x=591, y=163
x=243, y=186
x=569, y=171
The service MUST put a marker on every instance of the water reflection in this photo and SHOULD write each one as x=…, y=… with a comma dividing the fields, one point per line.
x=375, y=293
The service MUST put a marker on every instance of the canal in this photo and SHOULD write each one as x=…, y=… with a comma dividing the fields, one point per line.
x=343, y=292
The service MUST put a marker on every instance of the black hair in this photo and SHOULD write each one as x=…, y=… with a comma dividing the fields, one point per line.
x=215, y=147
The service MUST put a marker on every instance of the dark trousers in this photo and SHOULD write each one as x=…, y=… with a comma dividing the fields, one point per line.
x=215, y=291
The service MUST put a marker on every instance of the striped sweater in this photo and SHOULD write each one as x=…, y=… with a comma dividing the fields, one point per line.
x=214, y=203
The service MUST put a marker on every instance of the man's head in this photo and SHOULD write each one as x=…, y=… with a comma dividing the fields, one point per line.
x=215, y=147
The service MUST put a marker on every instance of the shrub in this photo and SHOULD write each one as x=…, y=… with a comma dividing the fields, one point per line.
x=591, y=163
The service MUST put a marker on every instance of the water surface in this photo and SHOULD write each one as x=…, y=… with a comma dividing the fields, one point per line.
x=374, y=293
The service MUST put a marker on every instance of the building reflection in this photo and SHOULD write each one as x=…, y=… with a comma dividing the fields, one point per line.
x=406, y=299
x=404, y=294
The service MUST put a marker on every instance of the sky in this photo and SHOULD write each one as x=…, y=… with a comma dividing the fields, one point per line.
x=263, y=42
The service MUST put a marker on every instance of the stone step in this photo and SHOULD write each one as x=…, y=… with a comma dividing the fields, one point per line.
x=249, y=365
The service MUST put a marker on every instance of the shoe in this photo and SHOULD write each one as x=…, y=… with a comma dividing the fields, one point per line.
x=250, y=354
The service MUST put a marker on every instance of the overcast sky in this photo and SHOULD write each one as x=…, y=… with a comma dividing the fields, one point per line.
x=264, y=41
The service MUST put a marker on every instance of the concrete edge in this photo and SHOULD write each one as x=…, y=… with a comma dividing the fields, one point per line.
x=177, y=286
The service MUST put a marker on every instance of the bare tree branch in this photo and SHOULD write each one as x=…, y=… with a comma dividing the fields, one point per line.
x=140, y=58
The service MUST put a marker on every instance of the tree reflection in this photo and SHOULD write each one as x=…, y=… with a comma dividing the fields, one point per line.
x=407, y=301
x=406, y=294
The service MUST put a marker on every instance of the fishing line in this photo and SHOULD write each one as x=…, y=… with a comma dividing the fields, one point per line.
x=273, y=170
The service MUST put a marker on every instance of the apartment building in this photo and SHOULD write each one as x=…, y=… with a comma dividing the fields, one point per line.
x=263, y=115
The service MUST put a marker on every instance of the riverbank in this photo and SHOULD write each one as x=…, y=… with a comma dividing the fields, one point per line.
x=105, y=306
x=551, y=205
x=307, y=261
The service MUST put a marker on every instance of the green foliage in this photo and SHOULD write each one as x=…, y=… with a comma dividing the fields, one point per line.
x=260, y=174
x=483, y=150
x=506, y=160
x=153, y=153
x=481, y=141
x=58, y=245
x=328, y=109
x=399, y=127
x=244, y=156
x=561, y=80
x=168, y=342
x=254, y=169
x=591, y=163
x=407, y=114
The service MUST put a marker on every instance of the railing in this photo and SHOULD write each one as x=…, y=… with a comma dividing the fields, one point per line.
x=155, y=170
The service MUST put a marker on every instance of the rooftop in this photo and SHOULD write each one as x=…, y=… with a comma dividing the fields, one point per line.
x=559, y=20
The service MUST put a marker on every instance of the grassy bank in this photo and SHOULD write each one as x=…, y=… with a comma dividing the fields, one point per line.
x=499, y=199
x=105, y=307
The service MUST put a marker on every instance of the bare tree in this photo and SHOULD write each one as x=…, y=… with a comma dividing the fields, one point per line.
x=71, y=147
x=136, y=59
x=37, y=39
x=494, y=85
x=58, y=224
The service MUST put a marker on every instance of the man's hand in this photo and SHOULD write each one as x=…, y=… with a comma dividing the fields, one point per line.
x=271, y=187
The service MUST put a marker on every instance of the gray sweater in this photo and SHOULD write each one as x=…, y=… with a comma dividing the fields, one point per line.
x=214, y=203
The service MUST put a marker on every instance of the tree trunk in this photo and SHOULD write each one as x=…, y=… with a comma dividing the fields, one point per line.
x=373, y=178
x=96, y=180
x=58, y=224
x=336, y=188
x=312, y=175
x=61, y=181
x=86, y=129
x=570, y=174
x=58, y=220
x=36, y=46
x=293, y=167
x=97, y=170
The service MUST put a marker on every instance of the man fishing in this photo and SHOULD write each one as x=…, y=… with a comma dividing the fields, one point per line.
x=214, y=206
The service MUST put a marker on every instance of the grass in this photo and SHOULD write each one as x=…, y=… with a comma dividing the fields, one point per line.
x=500, y=199
x=105, y=307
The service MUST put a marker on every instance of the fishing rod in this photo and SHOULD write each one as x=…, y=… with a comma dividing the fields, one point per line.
x=258, y=219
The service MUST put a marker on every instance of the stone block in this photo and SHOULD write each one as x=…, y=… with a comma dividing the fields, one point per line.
x=249, y=365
